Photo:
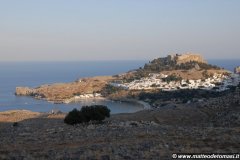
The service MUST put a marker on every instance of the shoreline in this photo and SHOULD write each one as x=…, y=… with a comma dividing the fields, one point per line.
x=145, y=105
x=75, y=99
x=78, y=99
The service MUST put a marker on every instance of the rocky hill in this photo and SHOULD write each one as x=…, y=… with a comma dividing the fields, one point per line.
x=186, y=66
x=178, y=61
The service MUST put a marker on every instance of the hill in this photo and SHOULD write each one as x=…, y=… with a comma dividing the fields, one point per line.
x=184, y=64
x=176, y=62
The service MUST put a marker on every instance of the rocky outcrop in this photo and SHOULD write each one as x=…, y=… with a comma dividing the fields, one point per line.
x=237, y=70
x=24, y=91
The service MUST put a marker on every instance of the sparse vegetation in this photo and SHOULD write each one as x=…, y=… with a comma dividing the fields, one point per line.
x=171, y=78
x=205, y=74
x=109, y=89
x=181, y=95
x=15, y=124
x=159, y=65
x=87, y=114
x=165, y=64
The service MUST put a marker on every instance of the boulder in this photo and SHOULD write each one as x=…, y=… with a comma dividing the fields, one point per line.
x=197, y=67
x=55, y=111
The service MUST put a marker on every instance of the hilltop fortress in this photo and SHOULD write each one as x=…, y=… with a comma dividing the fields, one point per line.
x=184, y=58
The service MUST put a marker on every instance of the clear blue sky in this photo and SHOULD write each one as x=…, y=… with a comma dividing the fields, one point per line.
x=117, y=29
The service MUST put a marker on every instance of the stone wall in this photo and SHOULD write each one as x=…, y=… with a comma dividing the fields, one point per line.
x=184, y=58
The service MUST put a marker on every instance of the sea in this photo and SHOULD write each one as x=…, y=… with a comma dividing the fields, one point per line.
x=33, y=74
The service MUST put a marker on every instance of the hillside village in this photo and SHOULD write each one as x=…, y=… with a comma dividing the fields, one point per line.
x=190, y=63
x=218, y=82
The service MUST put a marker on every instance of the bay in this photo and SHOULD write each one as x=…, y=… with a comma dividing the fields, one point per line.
x=33, y=74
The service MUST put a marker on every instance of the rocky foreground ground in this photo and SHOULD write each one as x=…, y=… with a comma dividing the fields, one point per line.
x=211, y=127
x=51, y=139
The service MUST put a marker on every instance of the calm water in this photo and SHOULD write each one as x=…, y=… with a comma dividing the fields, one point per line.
x=33, y=74
x=228, y=64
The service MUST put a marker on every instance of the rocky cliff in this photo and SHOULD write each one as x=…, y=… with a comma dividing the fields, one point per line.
x=25, y=91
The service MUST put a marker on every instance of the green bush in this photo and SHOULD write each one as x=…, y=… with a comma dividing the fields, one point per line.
x=86, y=114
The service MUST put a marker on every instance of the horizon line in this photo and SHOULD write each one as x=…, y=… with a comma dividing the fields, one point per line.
x=101, y=60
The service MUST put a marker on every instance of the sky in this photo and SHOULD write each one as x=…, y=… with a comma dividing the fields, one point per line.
x=78, y=30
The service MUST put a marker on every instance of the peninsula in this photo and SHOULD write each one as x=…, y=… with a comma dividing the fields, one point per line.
x=175, y=72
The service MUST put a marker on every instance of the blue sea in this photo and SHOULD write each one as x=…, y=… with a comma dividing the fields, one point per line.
x=33, y=74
